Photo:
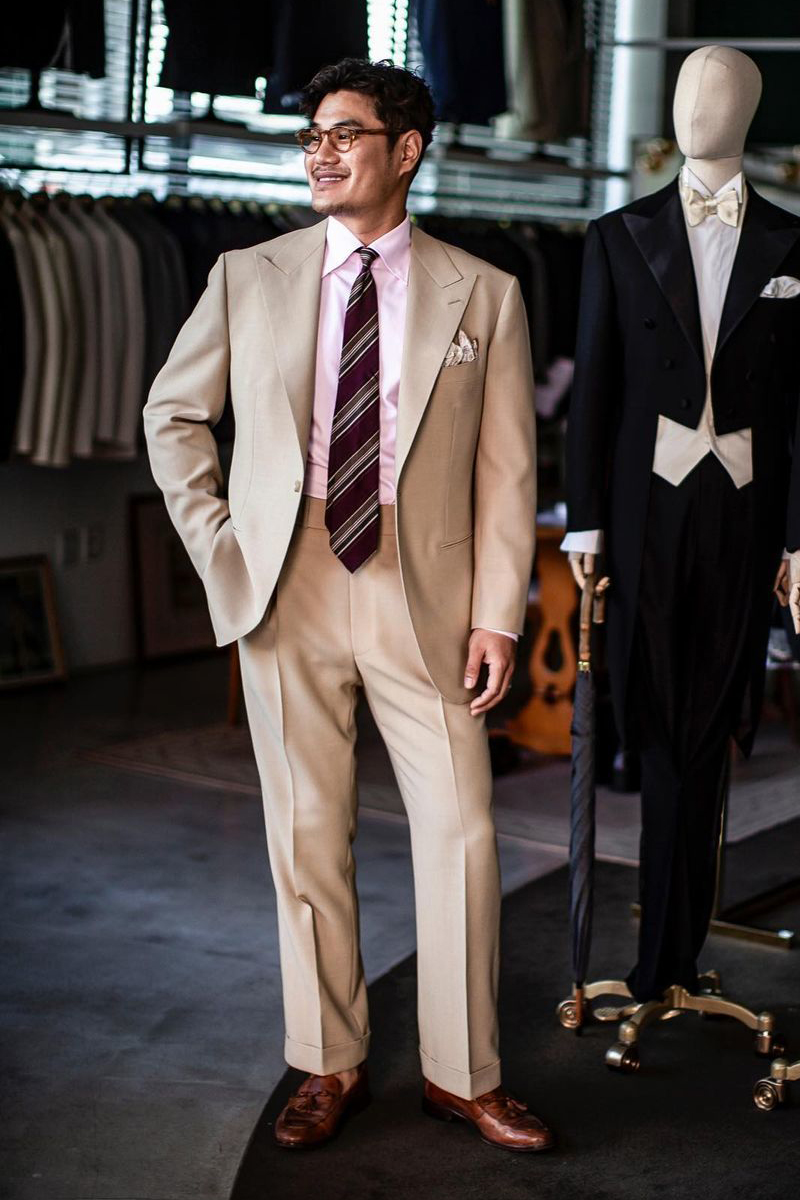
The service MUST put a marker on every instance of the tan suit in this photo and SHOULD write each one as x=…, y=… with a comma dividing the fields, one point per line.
x=455, y=552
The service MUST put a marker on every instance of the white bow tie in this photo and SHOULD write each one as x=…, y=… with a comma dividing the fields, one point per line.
x=698, y=207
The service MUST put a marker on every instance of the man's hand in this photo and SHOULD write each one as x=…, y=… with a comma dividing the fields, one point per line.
x=583, y=564
x=794, y=589
x=499, y=652
x=787, y=587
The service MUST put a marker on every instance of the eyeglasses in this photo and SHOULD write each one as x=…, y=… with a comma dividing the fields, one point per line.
x=341, y=137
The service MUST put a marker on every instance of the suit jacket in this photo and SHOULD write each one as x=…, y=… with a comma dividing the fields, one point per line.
x=465, y=451
x=640, y=354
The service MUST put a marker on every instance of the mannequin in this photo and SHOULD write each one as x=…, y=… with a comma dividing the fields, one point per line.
x=680, y=470
x=716, y=96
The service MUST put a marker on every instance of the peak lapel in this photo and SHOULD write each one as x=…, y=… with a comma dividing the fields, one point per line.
x=437, y=295
x=663, y=243
x=763, y=244
x=290, y=280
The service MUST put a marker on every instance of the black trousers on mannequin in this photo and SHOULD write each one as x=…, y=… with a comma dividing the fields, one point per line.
x=689, y=673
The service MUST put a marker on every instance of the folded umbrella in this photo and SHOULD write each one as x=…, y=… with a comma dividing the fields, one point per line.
x=582, y=802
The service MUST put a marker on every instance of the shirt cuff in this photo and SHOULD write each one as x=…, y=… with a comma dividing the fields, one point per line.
x=584, y=541
x=514, y=636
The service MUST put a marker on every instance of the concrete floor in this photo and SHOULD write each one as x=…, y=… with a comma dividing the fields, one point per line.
x=140, y=1008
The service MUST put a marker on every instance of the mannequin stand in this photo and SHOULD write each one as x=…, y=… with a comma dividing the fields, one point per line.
x=773, y=1091
x=623, y=1055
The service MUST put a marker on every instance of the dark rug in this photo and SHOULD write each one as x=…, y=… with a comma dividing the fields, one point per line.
x=685, y=1126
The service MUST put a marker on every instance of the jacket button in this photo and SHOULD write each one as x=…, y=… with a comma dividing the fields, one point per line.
x=649, y=323
x=669, y=363
x=749, y=376
x=773, y=339
x=298, y=483
x=686, y=402
x=730, y=412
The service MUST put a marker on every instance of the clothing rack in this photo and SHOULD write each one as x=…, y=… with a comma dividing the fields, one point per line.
x=468, y=168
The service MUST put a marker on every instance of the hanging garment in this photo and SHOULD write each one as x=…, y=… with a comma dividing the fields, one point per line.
x=547, y=70
x=120, y=419
x=84, y=259
x=26, y=403
x=462, y=50
x=106, y=330
x=217, y=51
x=14, y=345
x=79, y=373
x=34, y=435
x=68, y=34
x=308, y=36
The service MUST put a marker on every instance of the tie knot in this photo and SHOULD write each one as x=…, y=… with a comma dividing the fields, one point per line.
x=367, y=256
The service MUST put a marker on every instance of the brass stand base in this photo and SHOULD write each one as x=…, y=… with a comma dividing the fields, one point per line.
x=769, y=1093
x=634, y=1017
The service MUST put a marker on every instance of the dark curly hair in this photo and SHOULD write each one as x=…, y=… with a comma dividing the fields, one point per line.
x=402, y=99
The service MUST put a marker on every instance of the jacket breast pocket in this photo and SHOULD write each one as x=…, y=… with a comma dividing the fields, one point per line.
x=463, y=374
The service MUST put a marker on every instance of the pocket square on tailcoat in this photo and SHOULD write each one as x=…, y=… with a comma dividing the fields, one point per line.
x=782, y=287
x=463, y=350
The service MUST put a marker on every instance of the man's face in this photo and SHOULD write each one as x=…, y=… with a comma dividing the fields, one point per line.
x=368, y=175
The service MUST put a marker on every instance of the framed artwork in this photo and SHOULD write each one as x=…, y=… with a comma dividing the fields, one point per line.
x=171, y=610
x=30, y=639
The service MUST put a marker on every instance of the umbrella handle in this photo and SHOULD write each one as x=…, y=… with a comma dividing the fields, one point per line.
x=585, y=628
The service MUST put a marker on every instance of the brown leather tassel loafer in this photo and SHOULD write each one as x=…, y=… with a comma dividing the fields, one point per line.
x=499, y=1120
x=317, y=1110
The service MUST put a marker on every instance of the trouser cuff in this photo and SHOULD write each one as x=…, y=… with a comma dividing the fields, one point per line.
x=461, y=1083
x=325, y=1060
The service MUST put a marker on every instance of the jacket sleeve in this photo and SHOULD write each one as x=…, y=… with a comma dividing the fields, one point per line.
x=504, y=482
x=185, y=401
x=595, y=390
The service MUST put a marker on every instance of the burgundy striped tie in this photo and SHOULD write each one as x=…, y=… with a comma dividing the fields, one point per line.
x=352, y=510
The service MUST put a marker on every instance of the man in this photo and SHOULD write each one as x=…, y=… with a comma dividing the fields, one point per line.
x=378, y=534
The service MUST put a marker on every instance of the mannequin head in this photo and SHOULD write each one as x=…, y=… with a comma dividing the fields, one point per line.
x=716, y=97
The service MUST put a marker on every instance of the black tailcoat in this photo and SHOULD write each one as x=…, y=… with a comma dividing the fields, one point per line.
x=640, y=355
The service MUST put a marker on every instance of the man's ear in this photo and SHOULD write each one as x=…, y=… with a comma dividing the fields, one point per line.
x=410, y=150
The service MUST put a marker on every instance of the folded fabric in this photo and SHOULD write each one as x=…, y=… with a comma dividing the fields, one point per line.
x=782, y=287
x=462, y=350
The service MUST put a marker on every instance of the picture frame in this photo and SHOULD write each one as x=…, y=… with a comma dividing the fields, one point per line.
x=171, y=610
x=31, y=648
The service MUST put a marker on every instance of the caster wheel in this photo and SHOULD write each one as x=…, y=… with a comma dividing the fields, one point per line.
x=567, y=1013
x=767, y=1095
x=620, y=1057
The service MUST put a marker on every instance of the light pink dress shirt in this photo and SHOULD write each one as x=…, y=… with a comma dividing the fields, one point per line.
x=339, y=270
x=340, y=267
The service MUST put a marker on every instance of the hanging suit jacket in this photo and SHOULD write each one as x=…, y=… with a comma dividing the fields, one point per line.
x=465, y=449
x=640, y=355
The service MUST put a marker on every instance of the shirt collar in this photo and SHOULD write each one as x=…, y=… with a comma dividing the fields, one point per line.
x=393, y=248
x=689, y=179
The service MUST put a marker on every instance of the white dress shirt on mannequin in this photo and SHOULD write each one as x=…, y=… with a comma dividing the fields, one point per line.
x=678, y=450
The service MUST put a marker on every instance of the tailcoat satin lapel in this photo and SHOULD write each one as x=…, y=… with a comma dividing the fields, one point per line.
x=291, y=282
x=437, y=295
x=662, y=241
x=764, y=243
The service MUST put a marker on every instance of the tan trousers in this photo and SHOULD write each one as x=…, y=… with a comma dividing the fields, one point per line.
x=327, y=634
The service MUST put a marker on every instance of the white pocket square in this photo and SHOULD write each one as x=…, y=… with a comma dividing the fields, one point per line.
x=782, y=287
x=462, y=350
